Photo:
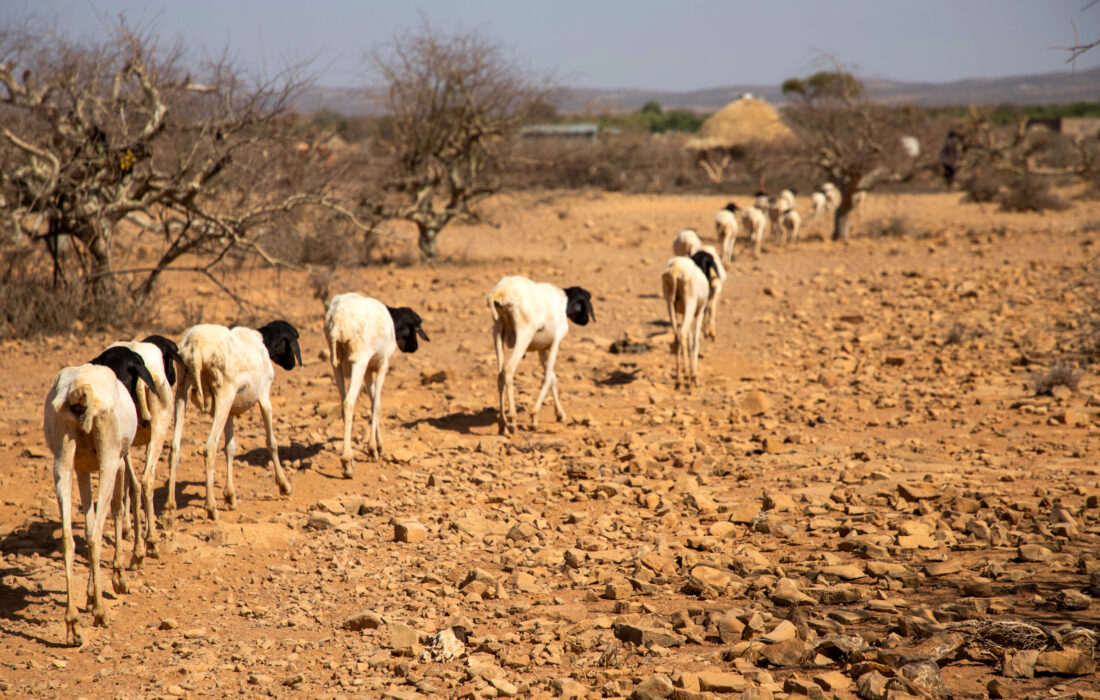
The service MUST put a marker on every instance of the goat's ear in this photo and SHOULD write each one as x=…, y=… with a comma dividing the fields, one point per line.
x=420, y=332
x=170, y=354
x=297, y=350
x=142, y=373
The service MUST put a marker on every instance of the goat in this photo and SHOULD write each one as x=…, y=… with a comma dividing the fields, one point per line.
x=89, y=421
x=528, y=316
x=363, y=334
x=232, y=368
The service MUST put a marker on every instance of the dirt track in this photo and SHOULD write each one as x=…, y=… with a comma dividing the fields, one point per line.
x=865, y=459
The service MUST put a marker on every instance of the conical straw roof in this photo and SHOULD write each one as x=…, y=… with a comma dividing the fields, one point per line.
x=745, y=120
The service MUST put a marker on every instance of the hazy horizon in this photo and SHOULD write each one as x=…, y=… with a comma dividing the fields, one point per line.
x=647, y=45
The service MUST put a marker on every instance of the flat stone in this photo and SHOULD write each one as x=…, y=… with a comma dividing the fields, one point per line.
x=942, y=568
x=871, y=686
x=782, y=632
x=654, y=687
x=847, y=572
x=744, y=513
x=1034, y=553
x=792, y=652
x=362, y=621
x=918, y=491
x=403, y=637
x=647, y=636
x=1070, y=662
x=833, y=681
x=1020, y=664
x=755, y=403
x=800, y=687
x=926, y=676
x=409, y=531
x=569, y=689
x=719, y=682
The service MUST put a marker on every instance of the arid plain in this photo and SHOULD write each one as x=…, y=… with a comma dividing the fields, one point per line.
x=865, y=494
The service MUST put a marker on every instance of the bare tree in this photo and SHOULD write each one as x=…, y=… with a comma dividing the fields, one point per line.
x=851, y=140
x=454, y=99
x=1078, y=48
x=94, y=135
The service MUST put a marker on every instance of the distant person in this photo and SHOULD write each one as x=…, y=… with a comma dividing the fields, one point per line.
x=949, y=157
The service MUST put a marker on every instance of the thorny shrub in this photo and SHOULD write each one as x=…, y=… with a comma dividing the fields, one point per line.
x=1056, y=375
x=32, y=305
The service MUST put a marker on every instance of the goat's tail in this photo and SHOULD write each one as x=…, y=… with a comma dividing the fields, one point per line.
x=82, y=404
x=194, y=365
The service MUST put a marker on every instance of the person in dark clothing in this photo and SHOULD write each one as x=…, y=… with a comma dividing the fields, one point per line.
x=949, y=157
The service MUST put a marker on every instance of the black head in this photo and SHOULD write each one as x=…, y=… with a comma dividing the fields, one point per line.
x=706, y=263
x=761, y=193
x=578, y=305
x=281, y=341
x=732, y=207
x=406, y=326
x=171, y=354
x=128, y=367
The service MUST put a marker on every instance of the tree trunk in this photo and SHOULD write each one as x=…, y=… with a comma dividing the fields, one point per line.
x=840, y=220
x=102, y=273
x=426, y=240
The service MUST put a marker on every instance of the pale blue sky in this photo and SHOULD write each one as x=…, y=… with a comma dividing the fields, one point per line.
x=648, y=44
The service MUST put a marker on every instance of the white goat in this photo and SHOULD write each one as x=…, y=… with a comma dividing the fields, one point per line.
x=761, y=200
x=820, y=202
x=231, y=368
x=532, y=316
x=717, y=278
x=726, y=228
x=89, y=421
x=154, y=410
x=756, y=224
x=832, y=195
x=786, y=198
x=362, y=335
x=687, y=242
x=790, y=222
x=686, y=290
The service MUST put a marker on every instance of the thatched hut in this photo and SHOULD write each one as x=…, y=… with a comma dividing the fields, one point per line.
x=743, y=122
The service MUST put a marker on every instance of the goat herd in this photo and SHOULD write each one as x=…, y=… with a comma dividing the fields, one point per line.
x=129, y=394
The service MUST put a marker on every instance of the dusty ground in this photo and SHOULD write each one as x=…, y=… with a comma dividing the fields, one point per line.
x=865, y=460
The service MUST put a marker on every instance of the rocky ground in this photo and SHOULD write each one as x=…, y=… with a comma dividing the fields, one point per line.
x=866, y=497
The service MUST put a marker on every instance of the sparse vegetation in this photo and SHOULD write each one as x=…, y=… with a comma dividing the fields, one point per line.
x=1030, y=193
x=1044, y=382
x=897, y=226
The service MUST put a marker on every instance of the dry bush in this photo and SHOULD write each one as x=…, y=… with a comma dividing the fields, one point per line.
x=1056, y=375
x=31, y=304
x=636, y=163
x=959, y=333
x=1030, y=193
x=981, y=187
x=897, y=226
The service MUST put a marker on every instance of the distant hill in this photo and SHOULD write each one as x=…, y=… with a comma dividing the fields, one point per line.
x=1048, y=88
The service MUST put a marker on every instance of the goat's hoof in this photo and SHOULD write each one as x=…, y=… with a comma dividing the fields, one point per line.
x=347, y=471
x=120, y=585
x=100, y=619
x=212, y=513
x=135, y=561
x=154, y=550
x=73, y=636
x=285, y=488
